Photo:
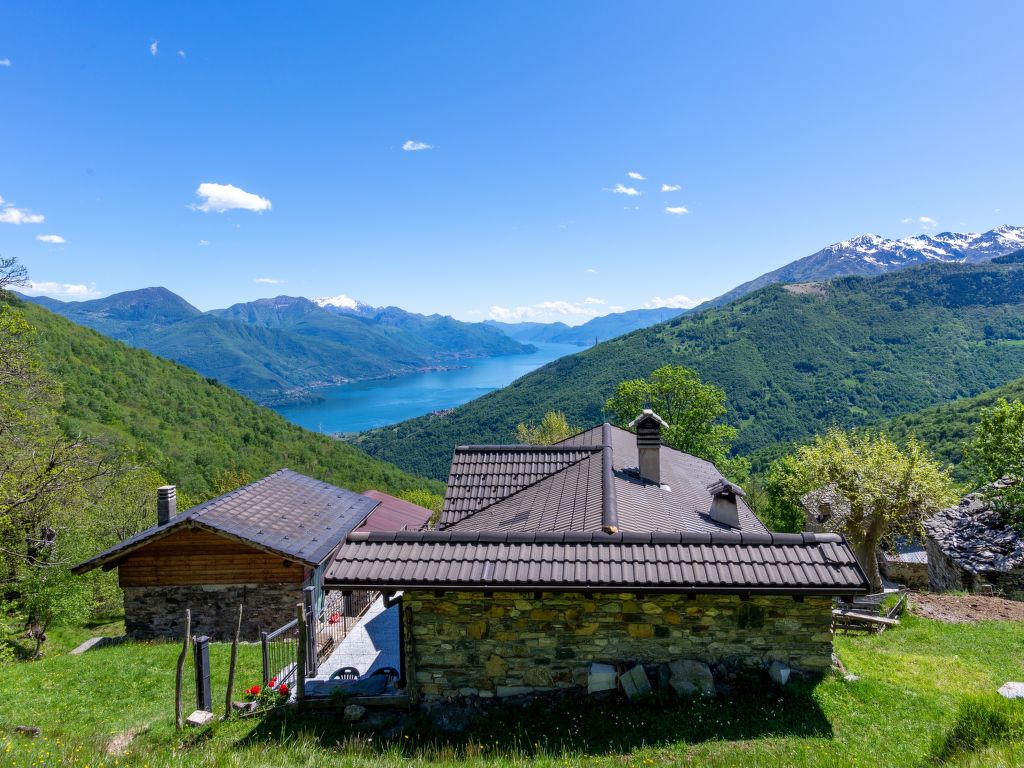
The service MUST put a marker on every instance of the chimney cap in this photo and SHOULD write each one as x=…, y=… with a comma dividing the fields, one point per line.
x=166, y=490
x=723, y=486
x=646, y=415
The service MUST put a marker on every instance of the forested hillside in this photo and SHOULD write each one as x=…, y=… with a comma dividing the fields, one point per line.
x=945, y=429
x=196, y=433
x=792, y=360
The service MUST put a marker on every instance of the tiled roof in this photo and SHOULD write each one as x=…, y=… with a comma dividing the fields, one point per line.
x=487, y=497
x=394, y=514
x=285, y=513
x=677, y=562
x=484, y=474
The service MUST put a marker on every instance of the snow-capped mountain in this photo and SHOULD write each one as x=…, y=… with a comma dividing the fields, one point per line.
x=342, y=302
x=872, y=255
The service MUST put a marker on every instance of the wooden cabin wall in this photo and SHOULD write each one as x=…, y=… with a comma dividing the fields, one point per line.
x=195, y=556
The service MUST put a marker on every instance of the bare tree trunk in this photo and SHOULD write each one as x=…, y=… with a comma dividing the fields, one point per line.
x=231, y=667
x=867, y=556
x=181, y=669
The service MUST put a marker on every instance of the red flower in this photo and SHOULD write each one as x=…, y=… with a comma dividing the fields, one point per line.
x=254, y=691
x=283, y=689
x=272, y=683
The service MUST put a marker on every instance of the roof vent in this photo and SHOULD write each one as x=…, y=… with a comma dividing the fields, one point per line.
x=648, y=444
x=723, y=503
x=166, y=504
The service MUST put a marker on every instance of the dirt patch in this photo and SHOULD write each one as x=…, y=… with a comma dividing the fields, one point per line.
x=120, y=742
x=959, y=609
x=805, y=289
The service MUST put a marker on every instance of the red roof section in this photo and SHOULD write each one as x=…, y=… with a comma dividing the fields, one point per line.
x=394, y=514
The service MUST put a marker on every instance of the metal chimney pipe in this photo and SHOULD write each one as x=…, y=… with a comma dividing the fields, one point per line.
x=166, y=504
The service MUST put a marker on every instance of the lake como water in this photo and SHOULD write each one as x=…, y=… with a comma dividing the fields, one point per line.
x=367, y=404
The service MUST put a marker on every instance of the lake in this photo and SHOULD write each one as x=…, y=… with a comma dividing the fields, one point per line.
x=367, y=404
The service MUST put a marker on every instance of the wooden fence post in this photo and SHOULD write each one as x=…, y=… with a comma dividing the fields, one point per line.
x=300, y=661
x=181, y=669
x=231, y=667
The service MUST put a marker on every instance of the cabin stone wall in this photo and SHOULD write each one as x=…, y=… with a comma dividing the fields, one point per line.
x=465, y=643
x=158, y=612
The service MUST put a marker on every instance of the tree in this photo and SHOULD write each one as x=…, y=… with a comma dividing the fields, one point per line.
x=47, y=482
x=886, y=491
x=11, y=274
x=692, y=410
x=776, y=497
x=997, y=451
x=553, y=428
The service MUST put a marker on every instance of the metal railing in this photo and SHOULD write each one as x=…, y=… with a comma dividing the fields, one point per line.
x=280, y=651
x=325, y=629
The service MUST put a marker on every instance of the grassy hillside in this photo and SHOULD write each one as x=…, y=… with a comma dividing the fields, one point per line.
x=792, y=360
x=193, y=431
x=906, y=703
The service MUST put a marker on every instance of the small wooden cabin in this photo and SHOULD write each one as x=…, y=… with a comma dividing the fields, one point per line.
x=258, y=546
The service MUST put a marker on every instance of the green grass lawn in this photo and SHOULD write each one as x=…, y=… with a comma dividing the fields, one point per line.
x=900, y=711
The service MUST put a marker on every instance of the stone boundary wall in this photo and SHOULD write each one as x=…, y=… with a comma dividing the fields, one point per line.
x=159, y=612
x=466, y=644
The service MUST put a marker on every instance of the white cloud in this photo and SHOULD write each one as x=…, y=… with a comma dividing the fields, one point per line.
x=670, y=187
x=181, y=53
x=590, y=271
x=927, y=221
x=676, y=210
x=204, y=242
x=268, y=280
x=154, y=46
x=675, y=302
x=907, y=220
x=11, y=215
x=569, y=312
x=52, y=239
x=622, y=189
x=226, y=197
x=416, y=146
x=637, y=176
x=77, y=291
x=5, y=62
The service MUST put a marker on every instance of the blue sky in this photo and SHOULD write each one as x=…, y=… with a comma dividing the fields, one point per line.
x=786, y=127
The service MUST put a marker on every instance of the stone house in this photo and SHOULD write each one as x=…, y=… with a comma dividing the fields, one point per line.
x=258, y=546
x=904, y=560
x=970, y=547
x=608, y=547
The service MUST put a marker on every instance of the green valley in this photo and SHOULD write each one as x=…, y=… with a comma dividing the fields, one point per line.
x=793, y=359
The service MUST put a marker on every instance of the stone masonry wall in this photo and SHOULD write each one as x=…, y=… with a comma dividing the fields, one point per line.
x=944, y=575
x=159, y=612
x=512, y=643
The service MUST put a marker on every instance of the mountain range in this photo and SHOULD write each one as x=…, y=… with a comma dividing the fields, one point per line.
x=593, y=331
x=792, y=360
x=279, y=348
x=873, y=255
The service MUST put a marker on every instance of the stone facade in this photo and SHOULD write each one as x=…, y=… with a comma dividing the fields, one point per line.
x=911, y=575
x=464, y=644
x=970, y=546
x=159, y=612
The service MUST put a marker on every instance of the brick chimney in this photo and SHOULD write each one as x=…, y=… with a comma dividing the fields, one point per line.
x=166, y=504
x=648, y=444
